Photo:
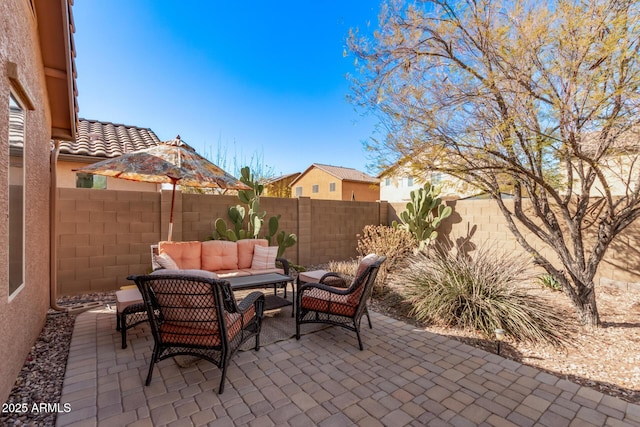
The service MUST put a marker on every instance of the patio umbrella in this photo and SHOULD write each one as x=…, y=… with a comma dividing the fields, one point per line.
x=173, y=162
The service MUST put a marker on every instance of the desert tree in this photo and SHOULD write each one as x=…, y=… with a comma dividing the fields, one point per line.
x=536, y=96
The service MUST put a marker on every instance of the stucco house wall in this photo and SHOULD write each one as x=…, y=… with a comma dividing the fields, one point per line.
x=621, y=172
x=322, y=180
x=360, y=191
x=397, y=183
x=22, y=72
x=397, y=188
x=67, y=179
x=343, y=189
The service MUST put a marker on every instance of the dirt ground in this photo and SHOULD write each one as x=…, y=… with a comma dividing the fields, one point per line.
x=606, y=359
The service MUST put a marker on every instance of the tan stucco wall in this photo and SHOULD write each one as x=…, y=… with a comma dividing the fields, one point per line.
x=322, y=180
x=360, y=191
x=344, y=189
x=620, y=171
x=67, y=179
x=22, y=318
x=399, y=190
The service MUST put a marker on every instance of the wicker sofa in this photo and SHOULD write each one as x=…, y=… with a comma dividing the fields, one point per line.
x=224, y=258
x=220, y=259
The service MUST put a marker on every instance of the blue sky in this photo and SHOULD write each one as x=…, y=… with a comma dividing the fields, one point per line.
x=263, y=79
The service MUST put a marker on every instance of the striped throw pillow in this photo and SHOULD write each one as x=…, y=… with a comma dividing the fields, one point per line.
x=264, y=257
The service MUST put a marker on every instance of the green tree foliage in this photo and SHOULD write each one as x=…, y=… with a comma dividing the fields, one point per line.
x=499, y=92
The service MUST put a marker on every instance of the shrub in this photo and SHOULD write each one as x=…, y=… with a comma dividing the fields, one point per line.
x=482, y=292
x=548, y=281
x=344, y=268
x=396, y=244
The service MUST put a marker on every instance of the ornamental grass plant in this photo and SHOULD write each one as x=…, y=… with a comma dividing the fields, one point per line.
x=482, y=291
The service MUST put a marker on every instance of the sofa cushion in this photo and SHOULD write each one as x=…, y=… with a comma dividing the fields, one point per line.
x=219, y=255
x=185, y=254
x=264, y=257
x=245, y=251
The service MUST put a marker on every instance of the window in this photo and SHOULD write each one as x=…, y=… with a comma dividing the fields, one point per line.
x=409, y=181
x=16, y=194
x=332, y=186
x=315, y=188
x=298, y=191
x=88, y=180
x=387, y=181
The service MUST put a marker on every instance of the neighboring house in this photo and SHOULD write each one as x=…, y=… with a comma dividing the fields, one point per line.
x=38, y=89
x=97, y=141
x=620, y=166
x=397, y=182
x=335, y=183
x=280, y=186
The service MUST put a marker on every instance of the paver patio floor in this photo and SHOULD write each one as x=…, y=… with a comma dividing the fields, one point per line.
x=404, y=376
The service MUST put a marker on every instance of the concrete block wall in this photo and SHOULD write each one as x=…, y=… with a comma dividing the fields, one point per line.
x=481, y=222
x=335, y=226
x=103, y=236
x=199, y=213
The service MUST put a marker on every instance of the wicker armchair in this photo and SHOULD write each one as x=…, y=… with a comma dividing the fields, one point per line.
x=323, y=303
x=198, y=316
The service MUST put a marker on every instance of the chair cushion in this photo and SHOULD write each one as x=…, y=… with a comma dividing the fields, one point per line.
x=185, y=254
x=245, y=251
x=179, y=333
x=192, y=306
x=219, y=255
x=264, y=257
x=127, y=297
x=366, y=262
x=320, y=300
x=237, y=321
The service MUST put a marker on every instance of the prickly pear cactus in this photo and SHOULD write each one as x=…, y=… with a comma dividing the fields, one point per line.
x=247, y=222
x=424, y=214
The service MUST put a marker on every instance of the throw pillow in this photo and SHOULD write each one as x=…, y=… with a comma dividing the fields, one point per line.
x=166, y=261
x=264, y=257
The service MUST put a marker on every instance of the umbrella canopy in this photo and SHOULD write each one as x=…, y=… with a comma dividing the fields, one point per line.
x=173, y=162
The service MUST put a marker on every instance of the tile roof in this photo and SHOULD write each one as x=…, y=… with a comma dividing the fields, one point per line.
x=626, y=142
x=346, y=174
x=107, y=140
x=281, y=178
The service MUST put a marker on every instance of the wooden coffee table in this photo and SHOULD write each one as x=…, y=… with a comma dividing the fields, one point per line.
x=276, y=280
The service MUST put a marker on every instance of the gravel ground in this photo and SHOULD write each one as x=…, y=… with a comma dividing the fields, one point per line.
x=606, y=359
x=40, y=379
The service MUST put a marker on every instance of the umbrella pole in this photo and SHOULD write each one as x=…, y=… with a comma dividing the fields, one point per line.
x=173, y=199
